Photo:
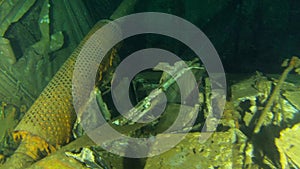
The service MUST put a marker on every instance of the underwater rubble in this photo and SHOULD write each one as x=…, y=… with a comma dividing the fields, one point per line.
x=233, y=145
x=258, y=106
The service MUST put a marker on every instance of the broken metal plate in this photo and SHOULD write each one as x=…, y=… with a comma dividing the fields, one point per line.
x=250, y=89
x=293, y=98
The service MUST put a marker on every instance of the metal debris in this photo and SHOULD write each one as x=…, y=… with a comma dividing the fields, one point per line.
x=221, y=150
x=89, y=158
x=288, y=145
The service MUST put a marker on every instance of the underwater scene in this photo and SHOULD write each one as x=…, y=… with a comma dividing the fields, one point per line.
x=156, y=84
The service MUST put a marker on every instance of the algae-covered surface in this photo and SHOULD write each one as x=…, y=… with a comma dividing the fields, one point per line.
x=257, y=44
